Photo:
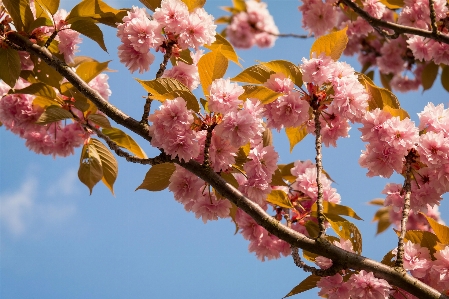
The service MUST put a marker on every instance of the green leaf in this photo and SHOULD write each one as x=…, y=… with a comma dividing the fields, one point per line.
x=279, y=198
x=194, y=4
x=286, y=68
x=88, y=70
x=100, y=120
x=428, y=76
x=332, y=44
x=312, y=229
x=385, y=79
x=286, y=172
x=307, y=284
x=45, y=102
x=9, y=66
x=239, y=5
x=53, y=114
x=40, y=22
x=50, y=5
x=257, y=74
x=223, y=20
x=108, y=163
x=445, y=77
x=348, y=231
x=20, y=12
x=379, y=97
x=393, y=4
x=336, y=209
x=260, y=92
x=382, y=217
x=151, y=4
x=184, y=56
x=125, y=141
x=232, y=213
x=440, y=230
x=211, y=66
x=167, y=88
x=401, y=113
x=158, y=177
x=377, y=202
x=423, y=238
x=295, y=135
x=87, y=27
x=277, y=179
x=97, y=10
x=90, y=171
x=389, y=259
x=225, y=48
x=37, y=89
x=45, y=73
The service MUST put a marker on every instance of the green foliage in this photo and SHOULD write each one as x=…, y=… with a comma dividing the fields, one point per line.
x=279, y=198
x=332, y=44
x=151, y=4
x=87, y=27
x=90, y=171
x=50, y=6
x=20, y=12
x=307, y=284
x=9, y=66
x=445, y=77
x=158, y=177
x=256, y=74
x=393, y=4
x=108, y=164
x=125, y=141
x=38, y=89
x=53, y=114
x=88, y=70
x=346, y=230
x=222, y=45
x=98, y=11
x=336, y=209
x=100, y=120
x=194, y=4
x=286, y=68
x=211, y=66
x=295, y=135
x=260, y=92
x=429, y=74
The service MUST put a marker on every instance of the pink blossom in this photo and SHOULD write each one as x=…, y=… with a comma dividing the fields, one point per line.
x=416, y=259
x=440, y=268
x=434, y=118
x=374, y=8
x=66, y=139
x=262, y=164
x=318, y=17
x=173, y=14
x=222, y=153
x=241, y=126
x=333, y=287
x=333, y=126
x=185, y=185
x=100, y=84
x=209, y=207
x=381, y=160
x=365, y=285
x=420, y=47
x=390, y=60
x=143, y=34
x=287, y=111
x=279, y=83
x=373, y=122
x=185, y=73
x=134, y=60
x=240, y=32
x=198, y=30
x=317, y=70
x=224, y=96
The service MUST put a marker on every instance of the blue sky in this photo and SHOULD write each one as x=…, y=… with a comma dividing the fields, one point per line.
x=56, y=241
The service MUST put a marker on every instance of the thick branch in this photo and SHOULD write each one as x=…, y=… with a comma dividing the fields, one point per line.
x=319, y=246
x=398, y=29
x=407, y=189
x=104, y=106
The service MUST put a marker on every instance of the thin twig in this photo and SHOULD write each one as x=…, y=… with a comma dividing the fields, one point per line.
x=433, y=18
x=289, y=35
x=406, y=208
x=206, y=162
x=146, y=109
x=121, y=153
x=167, y=55
x=398, y=29
x=319, y=170
x=334, y=269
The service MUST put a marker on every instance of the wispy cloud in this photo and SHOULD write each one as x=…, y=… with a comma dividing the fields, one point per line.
x=30, y=206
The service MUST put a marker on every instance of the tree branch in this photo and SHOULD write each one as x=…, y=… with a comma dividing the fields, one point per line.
x=320, y=246
x=398, y=29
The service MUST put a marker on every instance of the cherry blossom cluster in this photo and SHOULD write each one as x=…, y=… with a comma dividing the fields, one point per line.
x=253, y=26
x=403, y=59
x=391, y=141
x=19, y=115
x=349, y=100
x=171, y=27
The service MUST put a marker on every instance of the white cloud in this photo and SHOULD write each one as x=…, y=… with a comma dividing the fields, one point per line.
x=66, y=185
x=26, y=208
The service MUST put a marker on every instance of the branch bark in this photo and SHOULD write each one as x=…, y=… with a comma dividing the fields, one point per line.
x=398, y=29
x=321, y=246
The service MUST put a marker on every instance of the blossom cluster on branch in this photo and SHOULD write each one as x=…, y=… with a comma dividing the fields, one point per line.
x=217, y=155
